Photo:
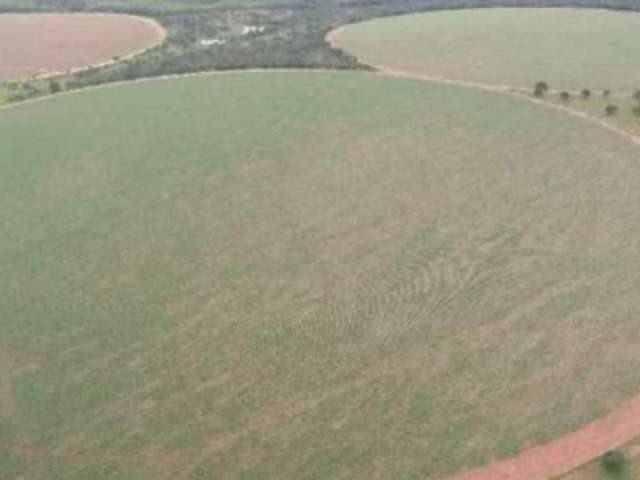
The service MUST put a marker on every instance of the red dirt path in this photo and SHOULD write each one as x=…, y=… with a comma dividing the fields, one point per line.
x=565, y=453
x=42, y=44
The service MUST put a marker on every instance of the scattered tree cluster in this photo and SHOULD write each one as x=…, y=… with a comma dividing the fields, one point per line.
x=541, y=88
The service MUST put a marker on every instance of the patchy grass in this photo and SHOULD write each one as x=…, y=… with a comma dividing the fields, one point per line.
x=303, y=275
x=570, y=49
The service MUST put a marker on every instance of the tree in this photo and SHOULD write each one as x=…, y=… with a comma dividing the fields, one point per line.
x=54, y=86
x=611, y=110
x=540, y=88
x=542, y=85
x=585, y=94
x=565, y=96
x=613, y=462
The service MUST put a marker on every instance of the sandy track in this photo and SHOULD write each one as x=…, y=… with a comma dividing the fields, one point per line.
x=41, y=45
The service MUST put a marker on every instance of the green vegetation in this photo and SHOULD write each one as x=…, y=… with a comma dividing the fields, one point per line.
x=540, y=88
x=619, y=464
x=506, y=46
x=611, y=110
x=292, y=33
x=614, y=462
x=307, y=276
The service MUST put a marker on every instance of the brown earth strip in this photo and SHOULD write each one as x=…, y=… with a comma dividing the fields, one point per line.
x=565, y=453
x=50, y=44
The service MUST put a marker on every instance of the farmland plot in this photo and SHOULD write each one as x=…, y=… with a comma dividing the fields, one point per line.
x=307, y=275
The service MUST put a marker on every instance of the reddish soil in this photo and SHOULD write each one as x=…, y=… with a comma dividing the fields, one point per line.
x=566, y=453
x=44, y=44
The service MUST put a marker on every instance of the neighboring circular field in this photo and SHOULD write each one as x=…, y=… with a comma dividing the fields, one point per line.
x=41, y=44
x=570, y=49
x=306, y=275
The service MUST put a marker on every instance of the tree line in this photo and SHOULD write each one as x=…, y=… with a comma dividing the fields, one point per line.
x=541, y=89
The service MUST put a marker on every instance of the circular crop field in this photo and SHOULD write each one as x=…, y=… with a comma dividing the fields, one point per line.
x=41, y=44
x=569, y=48
x=307, y=275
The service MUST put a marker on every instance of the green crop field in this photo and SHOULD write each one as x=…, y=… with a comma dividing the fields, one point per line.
x=570, y=49
x=307, y=276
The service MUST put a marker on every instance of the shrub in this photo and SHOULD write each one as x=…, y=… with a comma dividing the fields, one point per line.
x=54, y=86
x=636, y=94
x=585, y=94
x=540, y=88
x=611, y=110
x=606, y=93
x=636, y=111
x=541, y=85
x=565, y=96
x=613, y=462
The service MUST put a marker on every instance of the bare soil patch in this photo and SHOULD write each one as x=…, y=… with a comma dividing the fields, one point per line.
x=45, y=44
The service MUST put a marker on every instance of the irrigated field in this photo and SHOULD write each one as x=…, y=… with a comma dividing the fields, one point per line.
x=55, y=43
x=570, y=49
x=300, y=275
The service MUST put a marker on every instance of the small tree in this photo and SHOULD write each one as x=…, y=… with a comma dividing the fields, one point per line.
x=613, y=462
x=606, y=93
x=585, y=94
x=611, y=110
x=565, y=96
x=540, y=88
x=54, y=86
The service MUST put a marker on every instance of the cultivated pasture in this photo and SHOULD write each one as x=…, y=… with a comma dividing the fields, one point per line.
x=571, y=49
x=42, y=44
x=307, y=275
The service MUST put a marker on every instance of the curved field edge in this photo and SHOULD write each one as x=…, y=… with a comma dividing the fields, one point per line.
x=380, y=71
x=311, y=363
x=160, y=36
x=622, y=425
x=505, y=46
